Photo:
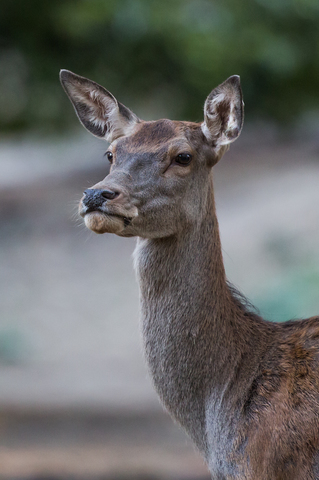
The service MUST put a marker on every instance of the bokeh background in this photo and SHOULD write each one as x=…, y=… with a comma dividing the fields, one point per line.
x=75, y=398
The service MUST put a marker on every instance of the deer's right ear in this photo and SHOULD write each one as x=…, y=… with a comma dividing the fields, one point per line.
x=224, y=113
x=98, y=110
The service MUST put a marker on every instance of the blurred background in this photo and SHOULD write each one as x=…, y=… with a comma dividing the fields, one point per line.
x=75, y=398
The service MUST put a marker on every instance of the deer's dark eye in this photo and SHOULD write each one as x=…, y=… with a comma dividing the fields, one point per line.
x=183, y=159
x=109, y=156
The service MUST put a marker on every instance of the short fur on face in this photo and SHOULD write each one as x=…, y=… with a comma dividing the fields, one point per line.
x=145, y=171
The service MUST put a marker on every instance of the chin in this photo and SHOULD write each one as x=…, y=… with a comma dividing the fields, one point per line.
x=101, y=223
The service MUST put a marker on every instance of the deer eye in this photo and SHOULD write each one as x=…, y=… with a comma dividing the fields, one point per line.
x=183, y=159
x=109, y=156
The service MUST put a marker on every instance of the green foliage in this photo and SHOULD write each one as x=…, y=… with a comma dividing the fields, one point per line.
x=291, y=297
x=13, y=347
x=293, y=292
x=158, y=57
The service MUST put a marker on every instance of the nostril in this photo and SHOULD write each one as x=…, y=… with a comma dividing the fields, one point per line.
x=109, y=195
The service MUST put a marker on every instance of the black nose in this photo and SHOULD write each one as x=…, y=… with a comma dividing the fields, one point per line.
x=94, y=198
x=108, y=194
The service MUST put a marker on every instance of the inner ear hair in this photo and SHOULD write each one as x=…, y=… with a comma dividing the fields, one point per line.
x=97, y=109
x=224, y=113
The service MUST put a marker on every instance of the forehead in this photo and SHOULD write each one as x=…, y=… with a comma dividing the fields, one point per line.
x=152, y=136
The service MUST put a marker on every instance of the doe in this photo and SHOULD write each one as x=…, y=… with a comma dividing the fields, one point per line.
x=246, y=390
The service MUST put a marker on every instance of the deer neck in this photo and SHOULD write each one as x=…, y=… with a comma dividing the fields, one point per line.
x=194, y=331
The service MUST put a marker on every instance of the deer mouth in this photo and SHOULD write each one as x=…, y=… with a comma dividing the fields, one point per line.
x=126, y=220
x=100, y=221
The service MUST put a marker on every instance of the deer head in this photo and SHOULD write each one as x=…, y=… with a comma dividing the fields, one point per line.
x=160, y=170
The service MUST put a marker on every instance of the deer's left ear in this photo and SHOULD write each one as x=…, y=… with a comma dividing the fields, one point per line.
x=97, y=109
x=224, y=113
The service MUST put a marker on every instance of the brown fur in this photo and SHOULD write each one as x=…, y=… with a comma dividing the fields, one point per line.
x=246, y=390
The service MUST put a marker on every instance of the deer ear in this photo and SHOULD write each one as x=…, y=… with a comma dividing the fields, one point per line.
x=224, y=113
x=98, y=110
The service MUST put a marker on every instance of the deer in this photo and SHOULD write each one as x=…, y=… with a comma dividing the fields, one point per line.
x=246, y=390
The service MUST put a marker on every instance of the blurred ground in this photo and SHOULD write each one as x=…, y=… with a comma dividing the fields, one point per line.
x=75, y=399
x=93, y=446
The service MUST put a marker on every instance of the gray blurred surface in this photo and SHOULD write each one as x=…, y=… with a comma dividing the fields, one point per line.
x=71, y=445
x=69, y=333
